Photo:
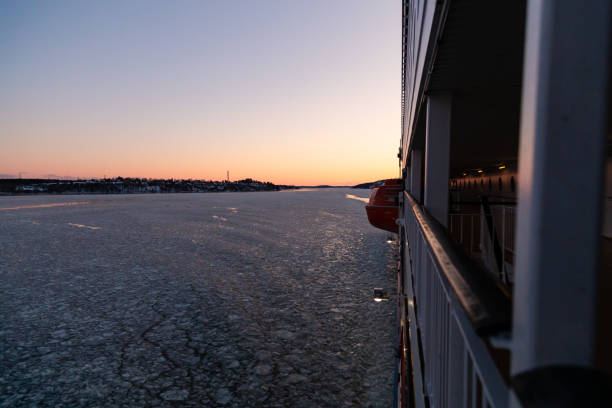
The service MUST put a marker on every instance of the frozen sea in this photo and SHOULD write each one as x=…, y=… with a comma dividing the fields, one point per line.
x=228, y=299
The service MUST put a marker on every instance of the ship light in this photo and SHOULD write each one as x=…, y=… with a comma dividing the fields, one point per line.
x=479, y=171
x=502, y=167
x=380, y=295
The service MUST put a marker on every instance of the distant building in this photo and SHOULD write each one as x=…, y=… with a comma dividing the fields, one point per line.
x=31, y=189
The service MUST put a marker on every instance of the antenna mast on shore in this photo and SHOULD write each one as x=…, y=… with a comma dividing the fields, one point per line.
x=228, y=176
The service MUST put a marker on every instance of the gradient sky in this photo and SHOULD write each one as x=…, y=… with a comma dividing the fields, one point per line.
x=289, y=91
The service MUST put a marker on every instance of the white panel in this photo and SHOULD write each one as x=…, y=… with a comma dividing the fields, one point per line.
x=420, y=24
x=437, y=156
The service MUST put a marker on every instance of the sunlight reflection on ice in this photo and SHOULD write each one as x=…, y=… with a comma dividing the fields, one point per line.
x=68, y=204
x=354, y=197
x=84, y=226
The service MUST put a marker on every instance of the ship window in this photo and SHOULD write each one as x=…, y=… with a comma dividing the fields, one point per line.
x=512, y=184
x=490, y=184
x=500, y=184
x=482, y=184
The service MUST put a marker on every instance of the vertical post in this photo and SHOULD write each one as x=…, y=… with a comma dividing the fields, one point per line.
x=562, y=146
x=503, y=245
x=437, y=156
x=407, y=181
x=416, y=168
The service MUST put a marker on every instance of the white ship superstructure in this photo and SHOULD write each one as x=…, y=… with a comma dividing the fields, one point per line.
x=505, y=218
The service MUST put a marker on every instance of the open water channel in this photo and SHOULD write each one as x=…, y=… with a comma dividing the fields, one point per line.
x=229, y=299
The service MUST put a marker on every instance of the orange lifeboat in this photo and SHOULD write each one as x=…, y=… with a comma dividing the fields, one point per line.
x=383, y=207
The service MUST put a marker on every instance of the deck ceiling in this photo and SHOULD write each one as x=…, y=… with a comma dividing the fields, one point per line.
x=480, y=61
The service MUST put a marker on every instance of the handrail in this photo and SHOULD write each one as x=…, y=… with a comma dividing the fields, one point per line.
x=484, y=302
x=507, y=203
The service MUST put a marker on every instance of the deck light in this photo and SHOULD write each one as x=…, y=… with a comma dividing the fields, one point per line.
x=479, y=170
x=465, y=174
x=502, y=167
x=380, y=294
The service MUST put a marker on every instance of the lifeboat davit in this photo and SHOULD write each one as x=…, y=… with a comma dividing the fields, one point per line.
x=383, y=207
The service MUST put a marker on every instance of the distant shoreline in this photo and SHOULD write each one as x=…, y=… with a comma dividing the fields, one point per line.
x=128, y=185
x=122, y=185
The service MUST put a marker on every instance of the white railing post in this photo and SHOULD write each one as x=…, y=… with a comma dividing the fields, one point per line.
x=562, y=146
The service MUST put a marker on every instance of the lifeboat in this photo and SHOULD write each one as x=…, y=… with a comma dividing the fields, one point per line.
x=383, y=207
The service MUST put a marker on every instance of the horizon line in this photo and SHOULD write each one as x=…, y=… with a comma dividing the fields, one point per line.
x=75, y=178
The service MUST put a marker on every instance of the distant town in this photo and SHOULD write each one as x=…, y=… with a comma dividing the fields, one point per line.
x=129, y=185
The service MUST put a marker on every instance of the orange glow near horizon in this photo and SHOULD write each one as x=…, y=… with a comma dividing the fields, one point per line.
x=280, y=166
x=353, y=145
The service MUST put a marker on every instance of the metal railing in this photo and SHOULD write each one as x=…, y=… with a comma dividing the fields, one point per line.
x=451, y=305
x=470, y=231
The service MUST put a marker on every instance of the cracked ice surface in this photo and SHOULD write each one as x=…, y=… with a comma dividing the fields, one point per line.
x=268, y=304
